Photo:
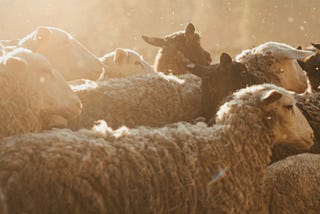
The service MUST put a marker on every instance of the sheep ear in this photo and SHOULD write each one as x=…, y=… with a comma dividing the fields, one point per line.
x=270, y=97
x=190, y=30
x=225, y=59
x=299, y=47
x=120, y=55
x=17, y=65
x=154, y=41
x=316, y=45
x=42, y=33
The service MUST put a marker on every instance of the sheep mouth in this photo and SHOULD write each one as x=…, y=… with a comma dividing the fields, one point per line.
x=304, y=144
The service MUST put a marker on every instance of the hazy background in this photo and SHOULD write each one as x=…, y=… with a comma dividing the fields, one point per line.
x=103, y=25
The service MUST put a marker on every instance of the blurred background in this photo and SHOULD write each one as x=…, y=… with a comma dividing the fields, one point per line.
x=103, y=25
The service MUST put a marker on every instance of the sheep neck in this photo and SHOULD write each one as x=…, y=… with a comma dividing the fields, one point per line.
x=18, y=107
x=253, y=140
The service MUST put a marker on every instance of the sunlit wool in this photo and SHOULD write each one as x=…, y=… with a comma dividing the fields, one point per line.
x=145, y=170
x=148, y=99
x=19, y=103
x=32, y=94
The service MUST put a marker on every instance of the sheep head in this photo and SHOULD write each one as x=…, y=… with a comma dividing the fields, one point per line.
x=218, y=81
x=124, y=62
x=185, y=42
x=65, y=53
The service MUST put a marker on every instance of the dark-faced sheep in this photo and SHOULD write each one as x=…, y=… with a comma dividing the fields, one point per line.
x=33, y=95
x=228, y=82
x=220, y=80
x=72, y=59
x=180, y=168
x=312, y=66
x=177, y=49
x=123, y=63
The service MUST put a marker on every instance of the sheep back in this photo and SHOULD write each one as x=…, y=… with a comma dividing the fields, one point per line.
x=293, y=185
x=151, y=100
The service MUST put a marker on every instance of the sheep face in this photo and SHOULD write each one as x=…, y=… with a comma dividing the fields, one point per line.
x=54, y=95
x=66, y=54
x=186, y=43
x=312, y=67
x=123, y=63
x=291, y=75
x=218, y=81
x=290, y=127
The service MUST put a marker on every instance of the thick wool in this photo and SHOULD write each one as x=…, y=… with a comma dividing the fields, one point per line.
x=181, y=168
x=293, y=185
x=150, y=99
x=19, y=111
x=261, y=66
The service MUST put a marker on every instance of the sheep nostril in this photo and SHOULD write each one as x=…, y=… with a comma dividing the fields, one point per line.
x=312, y=136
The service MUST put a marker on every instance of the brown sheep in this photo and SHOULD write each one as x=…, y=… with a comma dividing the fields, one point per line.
x=178, y=48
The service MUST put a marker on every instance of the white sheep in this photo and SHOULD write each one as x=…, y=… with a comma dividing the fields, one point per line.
x=66, y=54
x=151, y=99
x=277, y=63
x=33, y=95
x=181, y=168
x=293, y=185
x=122, y=63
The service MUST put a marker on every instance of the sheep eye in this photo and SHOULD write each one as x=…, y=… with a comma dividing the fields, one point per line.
x=289, y=107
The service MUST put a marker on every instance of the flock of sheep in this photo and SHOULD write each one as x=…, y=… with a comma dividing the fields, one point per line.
x=112, y=134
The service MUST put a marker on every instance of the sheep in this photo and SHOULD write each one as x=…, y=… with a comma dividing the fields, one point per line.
x=179, y=168
x=277, y=63
x=312, y=66
x=33, y=95
x=72, y=59
x=293, y=185
x=227, y=77
x=151, y=99
x=178, y=48
x=219, y=80
x=122, y=63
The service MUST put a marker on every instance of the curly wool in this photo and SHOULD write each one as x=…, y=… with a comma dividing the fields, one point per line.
x=150, y=99
x=19, y=111
x=181, y=168
x=261, y=66
x=293, y=185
